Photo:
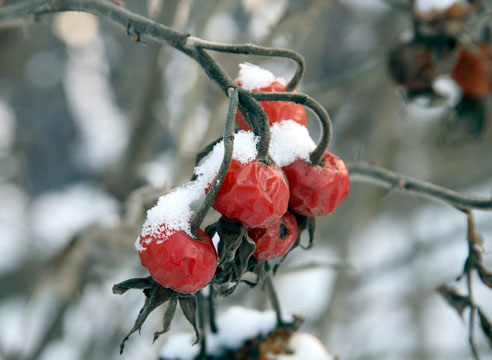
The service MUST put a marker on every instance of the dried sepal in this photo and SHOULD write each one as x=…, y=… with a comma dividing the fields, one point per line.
x=485, y=275
x=155, y=296
x=228, y=245
x=245, y=251
x=189, y=306
x=137, y=283
x=311, y=227
x=454, y=299
x=486, y=326
x=168, y=316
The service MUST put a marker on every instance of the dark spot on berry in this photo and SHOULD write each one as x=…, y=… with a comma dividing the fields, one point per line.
x=283, y=231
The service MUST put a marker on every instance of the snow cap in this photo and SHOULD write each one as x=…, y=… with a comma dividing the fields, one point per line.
x=252, y=77
x=290, y=141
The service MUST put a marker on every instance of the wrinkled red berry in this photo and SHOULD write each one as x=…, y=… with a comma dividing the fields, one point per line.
x=179, y=262
x=317, y=189
x=256, y=194
x=275, y=240
x=473, y=71
x=276, y=111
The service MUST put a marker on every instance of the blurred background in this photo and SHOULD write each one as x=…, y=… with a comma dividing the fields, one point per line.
x=94, y=126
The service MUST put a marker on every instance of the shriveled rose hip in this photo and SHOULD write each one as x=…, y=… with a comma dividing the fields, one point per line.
x=256, y=193
x=179, y=262
x=317, y=189
x=275, y=240
x=473, y=71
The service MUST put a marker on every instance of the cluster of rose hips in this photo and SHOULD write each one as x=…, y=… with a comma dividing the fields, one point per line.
x=436, y=48
x=257, y=195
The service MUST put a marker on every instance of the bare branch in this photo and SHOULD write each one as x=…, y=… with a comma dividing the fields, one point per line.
x=228, y=148
x=365, y=172
x=252, y=49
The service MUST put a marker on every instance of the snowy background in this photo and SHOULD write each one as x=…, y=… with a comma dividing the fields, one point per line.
x=87, y=116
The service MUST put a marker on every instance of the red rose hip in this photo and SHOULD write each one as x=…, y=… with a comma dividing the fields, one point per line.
x=275, y=240
x=473, y=71
x=317, y=189
x=179, y=262
x=255, y=193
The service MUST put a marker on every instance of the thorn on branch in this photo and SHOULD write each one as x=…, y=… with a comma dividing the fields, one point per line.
x=133, y=33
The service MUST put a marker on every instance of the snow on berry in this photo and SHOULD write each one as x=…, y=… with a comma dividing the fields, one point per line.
x=289, y=141
x=252, y=77
x=244, y=151
x=173, y=211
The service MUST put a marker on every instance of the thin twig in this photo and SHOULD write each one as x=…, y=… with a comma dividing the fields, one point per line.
x=469, y=267
x=226, y=162
x=272, y=294
x=201, y=325
x=303, y=99
x=471, y=320
x=211, y=310
x=365, y=172
x=252, y=49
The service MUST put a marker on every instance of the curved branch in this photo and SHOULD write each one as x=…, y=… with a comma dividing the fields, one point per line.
x=252, y=49
x=257, y=118
x=136, y=25
x=321, y=113
x=141, y=28
x=365, y=172
x=226, y=162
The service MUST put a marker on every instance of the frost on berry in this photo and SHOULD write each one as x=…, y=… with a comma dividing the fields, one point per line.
x=289, y=141
x=275, y=240
x=256, y=79
x=317, y=190
x=256, y=193
x=180, y=263
x=173, y=210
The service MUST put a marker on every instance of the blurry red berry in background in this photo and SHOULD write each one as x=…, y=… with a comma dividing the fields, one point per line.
x=275, y=240
x=473, y=71
x=179, y=262
x=317, y=189
x=276, y=111
x=255, y=194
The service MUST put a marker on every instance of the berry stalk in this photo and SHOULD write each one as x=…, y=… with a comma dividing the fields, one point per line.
x=257, y=119
x=226, y=162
